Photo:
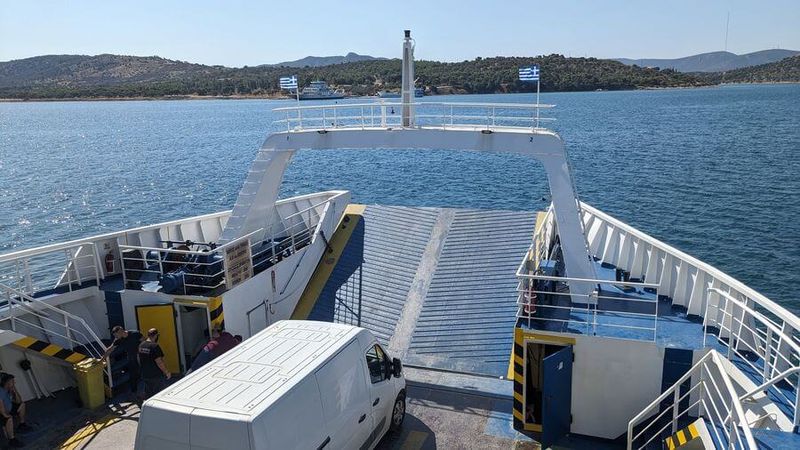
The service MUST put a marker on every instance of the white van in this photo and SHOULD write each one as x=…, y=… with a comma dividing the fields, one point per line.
x=296, y=384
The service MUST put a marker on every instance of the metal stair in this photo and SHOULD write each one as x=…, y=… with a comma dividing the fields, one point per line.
x=35, y=325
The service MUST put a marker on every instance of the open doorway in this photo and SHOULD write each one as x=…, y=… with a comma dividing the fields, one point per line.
x=195, y=329
x=548, y=389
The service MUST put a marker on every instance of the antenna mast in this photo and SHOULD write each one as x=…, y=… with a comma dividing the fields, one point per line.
x=727, y=23
x=407, y=92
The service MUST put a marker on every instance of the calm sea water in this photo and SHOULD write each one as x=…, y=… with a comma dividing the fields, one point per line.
x=714, y=172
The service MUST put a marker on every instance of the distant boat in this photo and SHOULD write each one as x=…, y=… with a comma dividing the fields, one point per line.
x=319, y=90
x=418, y=92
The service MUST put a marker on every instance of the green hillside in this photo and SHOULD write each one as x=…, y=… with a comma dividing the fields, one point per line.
x=67, y=76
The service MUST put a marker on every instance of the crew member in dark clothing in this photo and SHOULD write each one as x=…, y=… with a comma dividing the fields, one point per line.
x=221, y=341
x=225, y=341
x=151, y=360
x=128, y=341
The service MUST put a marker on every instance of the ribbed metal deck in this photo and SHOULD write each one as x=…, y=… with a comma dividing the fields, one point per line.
x=467, y=321
x=370, y=283
x=436, y=285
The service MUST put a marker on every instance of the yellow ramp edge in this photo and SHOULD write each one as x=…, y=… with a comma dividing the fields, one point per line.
x=352, y=215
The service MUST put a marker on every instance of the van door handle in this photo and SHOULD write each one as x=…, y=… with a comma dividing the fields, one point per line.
x=377, y=400
x=361, y=419
x=324, y=443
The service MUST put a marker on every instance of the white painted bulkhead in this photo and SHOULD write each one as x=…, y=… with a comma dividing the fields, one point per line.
x=612, y=380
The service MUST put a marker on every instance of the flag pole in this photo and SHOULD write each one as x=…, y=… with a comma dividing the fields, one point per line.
x=537, y=101
x=297, y=90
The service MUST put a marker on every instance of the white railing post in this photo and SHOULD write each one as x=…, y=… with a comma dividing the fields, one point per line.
x=705, y=320
x=11, y=311
x=96, y=263
x=796, y=418
x=70, y=268
x=767, y=355
x=655, y=320
x=27, y=272
x=675, y=412
x=67, y=330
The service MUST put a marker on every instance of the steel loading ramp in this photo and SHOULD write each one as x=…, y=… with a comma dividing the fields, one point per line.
x=437, y=286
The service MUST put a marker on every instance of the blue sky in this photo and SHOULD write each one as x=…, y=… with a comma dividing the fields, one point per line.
x=237, y=33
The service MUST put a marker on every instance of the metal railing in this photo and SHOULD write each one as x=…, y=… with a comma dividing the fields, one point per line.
x=66, y=329
x=680, y=276
x=753, y=339
x=67, y=266
x=428, y=114
x=204, y=270
x=710, y=395
x=592, y=314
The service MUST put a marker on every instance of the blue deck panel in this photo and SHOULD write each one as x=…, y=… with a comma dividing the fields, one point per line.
x=776, y=440
x=370, y=283
x=467, y=319
x=616, y=311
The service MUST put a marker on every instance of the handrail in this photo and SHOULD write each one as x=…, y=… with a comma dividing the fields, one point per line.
x=770, y=324
x=726, y=279
x=776, y=348
x=534, y=276
x=5, y=257
x=50, y=307
x=100, y=237
x=444, y=115
x=770, y=383
x=192, y=252
x=27, y=302
x=735, y=413
x=736, y=404
x=454, y=104
x=659, y=399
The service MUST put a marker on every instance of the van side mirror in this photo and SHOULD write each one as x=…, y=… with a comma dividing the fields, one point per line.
x=397, y=367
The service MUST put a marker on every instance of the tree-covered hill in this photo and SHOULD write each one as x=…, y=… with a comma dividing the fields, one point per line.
x=785, y=70
x=69, y=76
x=99, y=70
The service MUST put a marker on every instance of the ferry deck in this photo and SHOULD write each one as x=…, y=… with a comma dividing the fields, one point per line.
x=564, y=327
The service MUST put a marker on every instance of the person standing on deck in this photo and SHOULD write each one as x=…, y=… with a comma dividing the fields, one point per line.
x=129, y=341
x=151, y=360
x=11, y=405
x=221, y=341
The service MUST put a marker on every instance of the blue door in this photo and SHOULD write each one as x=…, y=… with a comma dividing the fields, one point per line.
x=556, y=395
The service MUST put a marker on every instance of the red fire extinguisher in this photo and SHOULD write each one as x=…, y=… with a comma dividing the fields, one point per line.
x=109, y=262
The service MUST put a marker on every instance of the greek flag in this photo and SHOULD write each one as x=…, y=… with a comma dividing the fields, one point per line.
x=289, y=82
x=529, y=73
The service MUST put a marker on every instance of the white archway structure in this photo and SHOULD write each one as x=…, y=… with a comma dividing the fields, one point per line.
x=256, y=202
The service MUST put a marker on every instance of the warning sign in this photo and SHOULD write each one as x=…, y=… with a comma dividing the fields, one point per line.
x=238, y=263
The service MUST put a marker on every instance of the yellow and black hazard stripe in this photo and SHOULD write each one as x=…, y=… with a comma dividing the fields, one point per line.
x=336, y=245
x=215, y=312
x=682, y=437
x=51, y=350
x=519, y=379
